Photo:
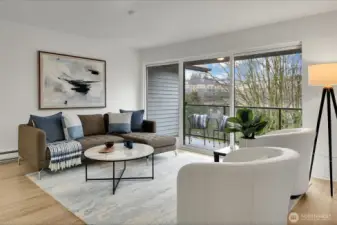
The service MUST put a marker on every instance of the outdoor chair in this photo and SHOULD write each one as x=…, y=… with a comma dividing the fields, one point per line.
x=198, y=122
x=221, y=124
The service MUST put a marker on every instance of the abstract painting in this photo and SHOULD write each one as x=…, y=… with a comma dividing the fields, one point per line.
x=67, y=81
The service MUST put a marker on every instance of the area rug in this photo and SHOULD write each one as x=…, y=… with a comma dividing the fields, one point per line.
x=135, y=202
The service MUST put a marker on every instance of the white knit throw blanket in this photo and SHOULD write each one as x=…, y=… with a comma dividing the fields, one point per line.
x=64, y=154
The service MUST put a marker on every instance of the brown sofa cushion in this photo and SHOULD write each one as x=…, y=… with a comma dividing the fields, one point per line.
x=95, y=140
x=156, y=141
x=92, y=124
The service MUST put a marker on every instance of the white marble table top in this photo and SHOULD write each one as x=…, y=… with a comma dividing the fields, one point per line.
x=119, y=153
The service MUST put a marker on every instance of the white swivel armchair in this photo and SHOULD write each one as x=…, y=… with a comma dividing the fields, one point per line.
x=251, y=186
x=298, y=139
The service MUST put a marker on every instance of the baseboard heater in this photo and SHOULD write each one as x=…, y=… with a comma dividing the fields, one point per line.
x=8, y=152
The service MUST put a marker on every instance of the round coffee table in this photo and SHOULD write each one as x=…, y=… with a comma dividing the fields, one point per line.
x=119, y=154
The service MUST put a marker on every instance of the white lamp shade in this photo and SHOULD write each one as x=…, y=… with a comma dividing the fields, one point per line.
x=323, y=74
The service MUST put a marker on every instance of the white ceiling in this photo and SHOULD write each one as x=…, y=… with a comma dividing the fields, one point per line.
x=156, y=22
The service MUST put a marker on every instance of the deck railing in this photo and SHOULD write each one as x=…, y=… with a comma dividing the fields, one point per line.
x=278, y=117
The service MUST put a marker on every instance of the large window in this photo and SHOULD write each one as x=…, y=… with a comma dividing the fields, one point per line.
x=271, y=84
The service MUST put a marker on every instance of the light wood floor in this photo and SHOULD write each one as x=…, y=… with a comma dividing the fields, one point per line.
x=317, y=207
x=22, y=202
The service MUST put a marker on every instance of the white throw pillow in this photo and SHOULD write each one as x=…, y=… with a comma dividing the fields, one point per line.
x=72, y=127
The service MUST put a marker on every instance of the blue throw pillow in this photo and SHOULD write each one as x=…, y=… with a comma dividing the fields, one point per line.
x=136, y=119
x=52, y=125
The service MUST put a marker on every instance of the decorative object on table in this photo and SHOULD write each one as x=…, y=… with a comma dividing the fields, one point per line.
x=128, y=144
x=137, y=118
x=106, y=150
x=67, y=81
x=51, y=125
x=109, y=144
x=246, y=123
x=119, y=123
x=108, y=147
x=198, y=122
x=324, y=75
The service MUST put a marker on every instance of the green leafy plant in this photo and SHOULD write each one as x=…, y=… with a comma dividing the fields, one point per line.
x=246, y=123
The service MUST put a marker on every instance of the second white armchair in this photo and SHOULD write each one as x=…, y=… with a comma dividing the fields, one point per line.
x=299, y=139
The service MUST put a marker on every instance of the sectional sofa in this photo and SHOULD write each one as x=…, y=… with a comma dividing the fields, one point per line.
x=32, y=141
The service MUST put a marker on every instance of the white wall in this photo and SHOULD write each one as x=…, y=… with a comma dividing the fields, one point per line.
x=19, y=78
x=318, y=35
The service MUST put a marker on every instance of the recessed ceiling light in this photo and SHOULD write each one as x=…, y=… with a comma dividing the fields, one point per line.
x=220, y=59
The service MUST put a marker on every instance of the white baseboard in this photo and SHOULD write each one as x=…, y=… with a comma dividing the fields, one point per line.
x=9, y=156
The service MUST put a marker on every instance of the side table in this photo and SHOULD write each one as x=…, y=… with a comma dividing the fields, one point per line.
x=222, y=152
x=217, y=155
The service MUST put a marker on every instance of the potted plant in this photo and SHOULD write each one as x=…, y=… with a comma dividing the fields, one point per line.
x=246, y=123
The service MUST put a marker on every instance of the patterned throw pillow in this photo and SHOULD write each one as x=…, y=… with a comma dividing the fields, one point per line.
x=223, y=122
x=51, y=125
x=136, y=119
x=72, y=127
x=119, y=122
x=199, y=121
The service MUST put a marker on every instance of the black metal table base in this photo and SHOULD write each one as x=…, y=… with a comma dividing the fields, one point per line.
x=217, y=155
x=116, y=180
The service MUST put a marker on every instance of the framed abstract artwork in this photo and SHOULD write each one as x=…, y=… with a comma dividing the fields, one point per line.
x=67, y=82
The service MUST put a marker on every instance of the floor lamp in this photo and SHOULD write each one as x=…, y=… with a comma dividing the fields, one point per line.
x=324, y=75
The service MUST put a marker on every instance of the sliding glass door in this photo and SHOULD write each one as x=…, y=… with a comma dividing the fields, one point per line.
x=207, y=96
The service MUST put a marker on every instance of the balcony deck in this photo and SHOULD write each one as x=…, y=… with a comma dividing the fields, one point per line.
x=279, y=118
x=198, y=142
